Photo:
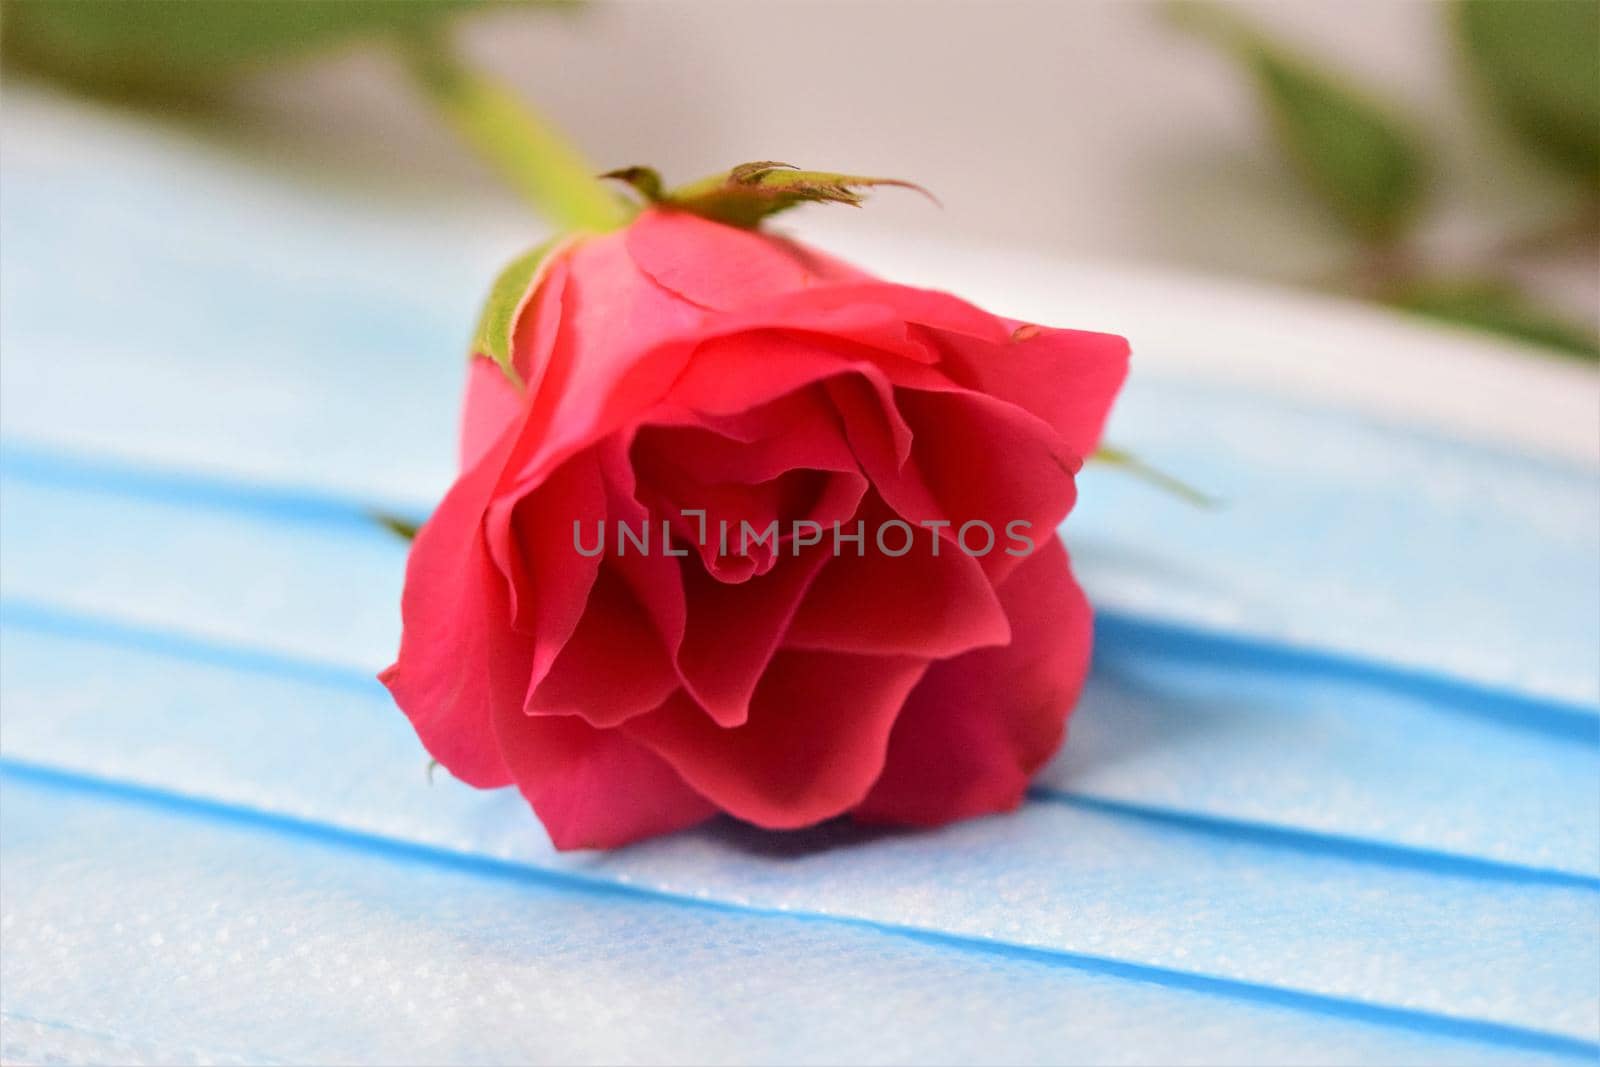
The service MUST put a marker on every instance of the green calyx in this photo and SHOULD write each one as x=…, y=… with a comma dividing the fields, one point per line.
x=747, y=194
x=743, y=196
x=497, y=320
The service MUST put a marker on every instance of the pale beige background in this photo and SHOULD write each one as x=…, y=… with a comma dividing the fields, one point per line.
x=1088, y=128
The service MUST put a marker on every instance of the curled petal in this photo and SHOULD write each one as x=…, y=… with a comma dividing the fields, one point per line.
x=813, y=745
x=978, y=726
x=612, y=343
x=460, y=659
x=992, y=464
x=492, y=405
x=722, y=481
x=594, y=788
x=612, y=668
x=531, y=539
x=1083, y=370
x=722, y=267
x=735, y=630
x=934, y=601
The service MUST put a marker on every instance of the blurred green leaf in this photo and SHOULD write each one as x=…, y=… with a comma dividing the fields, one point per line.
x=182, y=48
x=1351, y=152
x=1497, y=308
x=1359, y=158
x=180, y=52
x=750, y=192
x=1538, y=65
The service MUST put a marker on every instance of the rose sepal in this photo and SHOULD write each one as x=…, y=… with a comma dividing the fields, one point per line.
x=748, y=194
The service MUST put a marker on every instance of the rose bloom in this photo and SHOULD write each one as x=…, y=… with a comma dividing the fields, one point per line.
x=681, y=364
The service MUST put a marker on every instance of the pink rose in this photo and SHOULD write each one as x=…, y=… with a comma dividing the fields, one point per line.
x=687, y=374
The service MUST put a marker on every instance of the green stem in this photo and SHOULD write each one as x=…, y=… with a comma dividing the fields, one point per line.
x=1128, y=463
x=531, y=155
x=403, y=528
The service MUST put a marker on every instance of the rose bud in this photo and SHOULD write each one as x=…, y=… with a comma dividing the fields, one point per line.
x=740, y=528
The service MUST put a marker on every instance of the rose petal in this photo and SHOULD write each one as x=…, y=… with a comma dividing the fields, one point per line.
x=797, y=431
x=753, y=516
x=1068, y=378
x=654, y=577
x=932, y=602
x=720, y=368
x=987, y=461
x=734, y=631
x=538, y=318
x=733, y=372
x=895, y=319
x=620, y=341
x=460, y=659
x=612, y=668
x=491, y=406
x=778, y=462
x=977, y=727
x=531, y=539
x=882, y=442
x=813, y=745
x=722, y=267
x=594, y=788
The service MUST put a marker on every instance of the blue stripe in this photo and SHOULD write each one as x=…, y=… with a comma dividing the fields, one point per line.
x=41, y=618
x=1312, y=842
x=1115, y=633
x=1433, y=1023
x=41, y=466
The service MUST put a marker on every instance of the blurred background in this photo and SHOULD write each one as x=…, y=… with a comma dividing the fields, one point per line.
x=1442, y=158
